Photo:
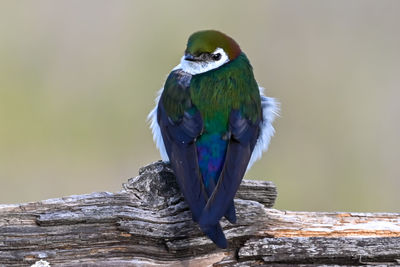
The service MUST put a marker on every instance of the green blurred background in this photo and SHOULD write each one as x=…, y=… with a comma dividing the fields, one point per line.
x=78, y=78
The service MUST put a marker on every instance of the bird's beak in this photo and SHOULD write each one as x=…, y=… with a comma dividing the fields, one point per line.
x=190, y=57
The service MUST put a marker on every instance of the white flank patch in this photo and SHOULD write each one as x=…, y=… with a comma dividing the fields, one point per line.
x=197, y=67
x=270, y=109
x=155, y=128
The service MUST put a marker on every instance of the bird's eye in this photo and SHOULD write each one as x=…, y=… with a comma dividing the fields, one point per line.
x=216, y=56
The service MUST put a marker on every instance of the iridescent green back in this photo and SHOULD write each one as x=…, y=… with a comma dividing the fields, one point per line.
x=232, y=86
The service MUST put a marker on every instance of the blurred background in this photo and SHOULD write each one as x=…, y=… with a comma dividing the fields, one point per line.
x=77, y=80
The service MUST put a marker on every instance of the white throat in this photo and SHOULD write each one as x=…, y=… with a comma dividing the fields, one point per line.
x=196, y=67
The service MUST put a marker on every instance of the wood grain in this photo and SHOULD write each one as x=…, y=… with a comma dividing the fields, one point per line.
x=147, y=223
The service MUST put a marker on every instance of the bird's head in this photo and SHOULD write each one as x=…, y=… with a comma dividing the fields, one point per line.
x=208, y=50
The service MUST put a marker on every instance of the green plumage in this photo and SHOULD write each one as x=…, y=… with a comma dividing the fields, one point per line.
x=208, y=41
x=176, y=101
x=209, y=116
x=215, y=93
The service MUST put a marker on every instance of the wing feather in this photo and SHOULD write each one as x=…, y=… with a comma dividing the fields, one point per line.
x=179, y=133
x=244, y=135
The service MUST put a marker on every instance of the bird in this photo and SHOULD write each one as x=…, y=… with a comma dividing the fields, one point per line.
x=211, y=122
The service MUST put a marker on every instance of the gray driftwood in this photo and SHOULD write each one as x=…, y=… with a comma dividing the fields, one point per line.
x=149, y=224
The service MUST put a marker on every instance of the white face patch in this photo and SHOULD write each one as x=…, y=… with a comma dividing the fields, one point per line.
x=197, y=67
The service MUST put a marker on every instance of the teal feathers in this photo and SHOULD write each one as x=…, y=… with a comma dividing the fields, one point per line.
x=210, y=117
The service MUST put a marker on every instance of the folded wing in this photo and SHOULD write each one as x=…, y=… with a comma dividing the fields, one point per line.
x=244, y=135
x=180, y=124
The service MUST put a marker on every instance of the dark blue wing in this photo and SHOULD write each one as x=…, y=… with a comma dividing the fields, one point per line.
x=244, y=136
x=179, y=143
x=180, y=126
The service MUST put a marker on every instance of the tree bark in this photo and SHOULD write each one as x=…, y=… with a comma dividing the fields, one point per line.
x=148, y=223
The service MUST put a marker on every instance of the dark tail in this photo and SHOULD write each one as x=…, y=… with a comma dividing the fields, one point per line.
x=215, y=233
x=230, y=213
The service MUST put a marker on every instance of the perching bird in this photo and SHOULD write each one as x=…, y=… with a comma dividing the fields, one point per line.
x=212, y=122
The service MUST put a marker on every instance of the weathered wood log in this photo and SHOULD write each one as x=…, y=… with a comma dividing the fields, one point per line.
x=149, y=224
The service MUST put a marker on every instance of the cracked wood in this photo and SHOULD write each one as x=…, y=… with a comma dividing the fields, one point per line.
x=148, y=223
